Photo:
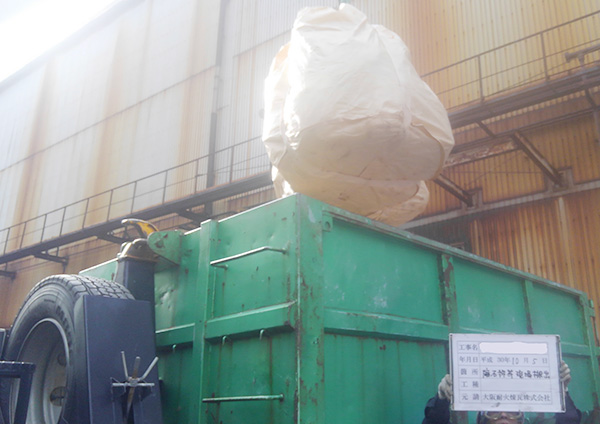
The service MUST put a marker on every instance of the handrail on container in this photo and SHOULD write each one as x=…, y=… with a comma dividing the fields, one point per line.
x=219, y=262
x=278, y=397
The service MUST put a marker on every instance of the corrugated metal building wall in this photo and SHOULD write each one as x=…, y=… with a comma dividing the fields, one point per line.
x=130, y=98
x=156, y=84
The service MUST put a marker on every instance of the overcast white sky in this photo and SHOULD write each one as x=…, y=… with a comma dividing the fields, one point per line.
x=30, y=27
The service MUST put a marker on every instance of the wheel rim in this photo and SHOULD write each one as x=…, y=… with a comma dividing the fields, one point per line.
x=46, y=346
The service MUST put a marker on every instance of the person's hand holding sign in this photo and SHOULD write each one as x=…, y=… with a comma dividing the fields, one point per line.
x=503, y=376
x=565, y=374
x=445, y=388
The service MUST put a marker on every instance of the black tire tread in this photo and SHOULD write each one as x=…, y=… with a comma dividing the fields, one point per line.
x=82, y=285
x=67, y=288
x=77, y=286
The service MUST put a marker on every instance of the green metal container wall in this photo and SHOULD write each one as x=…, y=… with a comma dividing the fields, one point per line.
x=298, y=312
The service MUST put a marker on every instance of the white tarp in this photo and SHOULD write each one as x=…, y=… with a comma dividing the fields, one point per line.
x=348, y=120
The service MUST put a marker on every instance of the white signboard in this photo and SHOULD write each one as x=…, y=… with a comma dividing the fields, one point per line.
x=502, y=372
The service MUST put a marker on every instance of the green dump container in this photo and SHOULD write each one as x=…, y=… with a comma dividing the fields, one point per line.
x=299, y=312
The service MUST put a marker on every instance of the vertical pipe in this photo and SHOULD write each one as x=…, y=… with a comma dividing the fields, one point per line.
x=6, y=242
x=165, y=187
x=231, y=163
x=210, y=169
x=480, y=77
x=87, y=206
x=23, y=234
x=109, y=204
x=196, y=175
x=544, y=56
x=43, y=227
x=596, y=115
x=133, y=195
x=62, y=221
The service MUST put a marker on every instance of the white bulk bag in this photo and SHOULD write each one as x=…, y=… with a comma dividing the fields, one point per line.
x=348, y=120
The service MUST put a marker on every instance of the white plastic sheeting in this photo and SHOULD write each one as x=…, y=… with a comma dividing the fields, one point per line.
x=349, y=121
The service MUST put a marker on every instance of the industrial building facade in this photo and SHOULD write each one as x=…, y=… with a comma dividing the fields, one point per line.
x=154, y=110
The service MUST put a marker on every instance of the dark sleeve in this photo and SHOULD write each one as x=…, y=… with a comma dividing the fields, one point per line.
x=437, y=411
x=572, y=415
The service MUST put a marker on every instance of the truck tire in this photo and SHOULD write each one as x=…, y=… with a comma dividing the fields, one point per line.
x=43, y=333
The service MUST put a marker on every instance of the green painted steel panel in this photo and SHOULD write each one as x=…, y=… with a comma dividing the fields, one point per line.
x=175, y=295
x=379, y=380
x=298, y=312
x=177, y=379
x=265, y=274
x=488, y=300
x=252, y=367
x=371, y=272
x=584, y=391
x=558, y=312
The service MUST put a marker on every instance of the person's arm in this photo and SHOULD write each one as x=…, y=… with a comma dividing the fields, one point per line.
x=437, y=410
x=572, y=415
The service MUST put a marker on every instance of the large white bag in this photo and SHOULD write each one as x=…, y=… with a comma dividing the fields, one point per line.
x=348, y=120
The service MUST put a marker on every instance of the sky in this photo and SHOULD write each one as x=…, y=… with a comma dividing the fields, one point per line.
x=30, y=27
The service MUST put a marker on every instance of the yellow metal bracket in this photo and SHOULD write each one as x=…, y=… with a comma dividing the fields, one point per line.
x=144, y=228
